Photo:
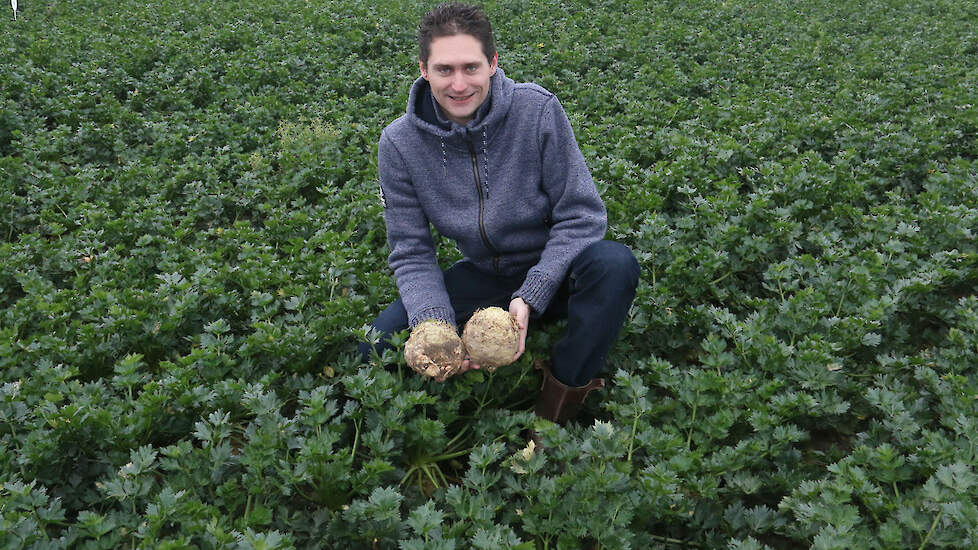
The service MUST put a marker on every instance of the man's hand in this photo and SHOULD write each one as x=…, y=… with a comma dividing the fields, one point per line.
x=520, y=311
x=468, y=365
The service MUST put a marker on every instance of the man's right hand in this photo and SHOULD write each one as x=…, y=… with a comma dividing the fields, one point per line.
x=468, y=365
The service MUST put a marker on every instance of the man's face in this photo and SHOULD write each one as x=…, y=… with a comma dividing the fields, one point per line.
x=459, y=74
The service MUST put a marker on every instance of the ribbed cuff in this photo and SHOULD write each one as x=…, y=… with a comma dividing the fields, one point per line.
x=433, y=313
x=537, y=291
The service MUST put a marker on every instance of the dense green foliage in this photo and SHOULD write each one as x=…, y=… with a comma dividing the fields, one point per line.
x=190, y=239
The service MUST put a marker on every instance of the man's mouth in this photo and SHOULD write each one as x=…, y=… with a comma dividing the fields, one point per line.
x=461, y=98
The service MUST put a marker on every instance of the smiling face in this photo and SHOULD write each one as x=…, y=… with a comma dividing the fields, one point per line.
x=458, y=72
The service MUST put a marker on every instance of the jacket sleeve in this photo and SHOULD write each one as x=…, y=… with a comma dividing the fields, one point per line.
x=412, y=258
x=578, y=214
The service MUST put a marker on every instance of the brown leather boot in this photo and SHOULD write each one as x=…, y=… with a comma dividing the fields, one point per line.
x=559, y=402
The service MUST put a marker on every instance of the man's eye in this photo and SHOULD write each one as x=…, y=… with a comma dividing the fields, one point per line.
x=443, y=70
x=472, y=68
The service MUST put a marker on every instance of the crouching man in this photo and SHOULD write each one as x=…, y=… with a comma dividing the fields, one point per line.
x=493, y=165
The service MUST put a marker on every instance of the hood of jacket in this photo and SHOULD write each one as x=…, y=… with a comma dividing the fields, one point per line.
x=424, y=113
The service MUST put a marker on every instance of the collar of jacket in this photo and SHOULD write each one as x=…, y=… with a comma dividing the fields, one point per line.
x=421, y=105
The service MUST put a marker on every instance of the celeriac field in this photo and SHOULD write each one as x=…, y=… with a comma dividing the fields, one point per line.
x=192, y=241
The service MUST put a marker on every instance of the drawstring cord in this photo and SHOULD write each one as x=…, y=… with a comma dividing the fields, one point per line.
x=444, y=158
x=485, y=159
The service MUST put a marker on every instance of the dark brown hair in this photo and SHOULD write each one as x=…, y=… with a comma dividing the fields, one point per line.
x=451, y=19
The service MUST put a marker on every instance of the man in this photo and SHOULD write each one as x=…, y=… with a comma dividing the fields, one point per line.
x=494, y=166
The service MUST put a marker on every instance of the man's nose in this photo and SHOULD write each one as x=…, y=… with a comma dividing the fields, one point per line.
x=458, y=82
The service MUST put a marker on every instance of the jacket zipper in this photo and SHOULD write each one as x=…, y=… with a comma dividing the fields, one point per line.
x=482, y=208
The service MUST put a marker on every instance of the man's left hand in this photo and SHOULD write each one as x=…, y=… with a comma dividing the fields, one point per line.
x=520, y=311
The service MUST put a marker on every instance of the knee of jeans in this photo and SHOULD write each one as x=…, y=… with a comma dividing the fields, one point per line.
x=617, y=260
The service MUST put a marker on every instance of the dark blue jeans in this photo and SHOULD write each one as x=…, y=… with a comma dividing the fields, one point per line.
x=594, y=298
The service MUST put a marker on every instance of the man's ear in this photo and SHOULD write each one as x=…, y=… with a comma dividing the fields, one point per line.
x=493, y=64
x=423, y=69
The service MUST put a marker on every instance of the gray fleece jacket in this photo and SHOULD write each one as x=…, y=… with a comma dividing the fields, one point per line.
x=511, y=188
